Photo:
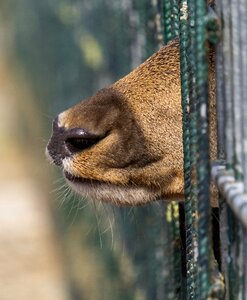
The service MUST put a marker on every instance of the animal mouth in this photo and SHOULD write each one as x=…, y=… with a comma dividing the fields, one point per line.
x=75, y=179
x=111, y=193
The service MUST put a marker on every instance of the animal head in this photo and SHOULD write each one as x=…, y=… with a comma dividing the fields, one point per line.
x=124, y=144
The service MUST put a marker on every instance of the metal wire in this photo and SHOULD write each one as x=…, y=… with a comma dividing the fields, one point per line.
x=167, y=11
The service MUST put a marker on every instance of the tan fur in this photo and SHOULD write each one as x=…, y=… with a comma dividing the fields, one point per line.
x=140, y=157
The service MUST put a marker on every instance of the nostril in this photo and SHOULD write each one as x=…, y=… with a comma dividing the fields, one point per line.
x=78, y=140
x=80, y=144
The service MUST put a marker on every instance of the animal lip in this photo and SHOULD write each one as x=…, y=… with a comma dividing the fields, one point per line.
x=71, y=177
x=76, y=179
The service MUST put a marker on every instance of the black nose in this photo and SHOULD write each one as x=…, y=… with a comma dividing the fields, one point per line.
x=67, y=142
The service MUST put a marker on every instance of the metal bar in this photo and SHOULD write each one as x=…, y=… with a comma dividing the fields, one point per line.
x=220, y=85
x=227, y=77
x=243, y=46
x=189, y=142
x=232, y=191
x=236, y=88
x=201, y=75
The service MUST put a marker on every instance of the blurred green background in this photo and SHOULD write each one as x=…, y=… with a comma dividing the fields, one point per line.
x=54, y=53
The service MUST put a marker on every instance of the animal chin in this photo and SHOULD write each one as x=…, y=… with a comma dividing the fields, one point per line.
x=108, y=192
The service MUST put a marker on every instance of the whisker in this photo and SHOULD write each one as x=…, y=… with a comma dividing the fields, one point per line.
x=111, y=231
x=85, y=203
x=73, y=204
x=76, y=198
x=97, y=223
x=66, y=195
x=59, y=188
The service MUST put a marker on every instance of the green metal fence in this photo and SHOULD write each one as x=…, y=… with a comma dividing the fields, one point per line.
x=215, y=240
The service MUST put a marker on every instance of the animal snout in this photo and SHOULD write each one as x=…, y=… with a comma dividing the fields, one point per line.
x=66, y=142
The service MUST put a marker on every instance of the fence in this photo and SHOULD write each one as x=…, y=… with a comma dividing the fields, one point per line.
x=192, y=230
x=214, y=240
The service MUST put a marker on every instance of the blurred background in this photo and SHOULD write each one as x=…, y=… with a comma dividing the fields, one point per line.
x=53, y=53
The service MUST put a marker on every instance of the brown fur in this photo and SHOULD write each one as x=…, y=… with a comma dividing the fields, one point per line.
x=140, y=157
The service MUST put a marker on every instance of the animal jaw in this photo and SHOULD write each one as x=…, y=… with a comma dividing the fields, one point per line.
x=112, y=193
x=124, y=144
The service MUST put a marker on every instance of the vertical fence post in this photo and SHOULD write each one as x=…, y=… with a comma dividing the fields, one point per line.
x=203, y=171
